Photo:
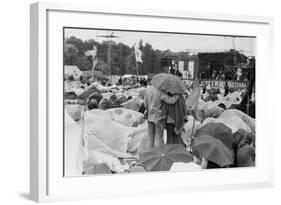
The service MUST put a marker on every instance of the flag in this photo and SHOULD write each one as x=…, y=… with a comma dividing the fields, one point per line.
x=94, y=64
x=92, y=53
x=138, y=54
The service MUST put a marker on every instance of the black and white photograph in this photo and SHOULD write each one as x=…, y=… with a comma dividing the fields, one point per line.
x=149, y=101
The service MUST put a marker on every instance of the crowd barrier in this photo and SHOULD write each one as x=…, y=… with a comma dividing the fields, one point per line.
x=219, y=83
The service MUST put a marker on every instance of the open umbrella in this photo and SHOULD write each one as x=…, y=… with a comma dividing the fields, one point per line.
x=91, y=90
x=218, y=131
x=212, y=149
x=70, y=95
x=162, y=157
x=241, y=138
x=168, y=83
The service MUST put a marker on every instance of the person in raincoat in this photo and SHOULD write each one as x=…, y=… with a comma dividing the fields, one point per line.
x=152, y=103
x=173, y=115
x=226, y=89
x=171, y=107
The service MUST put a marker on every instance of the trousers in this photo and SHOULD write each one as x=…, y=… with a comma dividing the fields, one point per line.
x=172, y=137
x=155, y=134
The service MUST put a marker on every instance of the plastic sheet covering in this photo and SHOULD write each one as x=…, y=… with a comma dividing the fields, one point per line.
x=74, y=111
x=249, y=121
x=113, y=134
x=234, y=119
x=210, y=109
x=133, y=104
x=74, y=150
x=95, y=144
x=140, y=141
x=189, y=129
x=124, y=116
x=180, y=167
x=96, y=157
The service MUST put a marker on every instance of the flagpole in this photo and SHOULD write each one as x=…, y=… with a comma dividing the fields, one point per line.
x=138, y=58
x=137, y=66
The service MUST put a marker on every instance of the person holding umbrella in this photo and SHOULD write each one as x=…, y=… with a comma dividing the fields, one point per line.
x=152, y=103
x=172, y=111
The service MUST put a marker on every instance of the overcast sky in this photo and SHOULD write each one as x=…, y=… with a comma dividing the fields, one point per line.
x=174, y=42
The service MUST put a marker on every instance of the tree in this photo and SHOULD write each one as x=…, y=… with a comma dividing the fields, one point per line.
x=103, y=67
x=156, y=62
x=70, y=54
x=78, y=43
x=148, y=58
x=83, y=63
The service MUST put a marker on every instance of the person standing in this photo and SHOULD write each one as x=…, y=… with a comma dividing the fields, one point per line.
x=173, y=114
x=178, y=73
x=152, y=103
x=172, y=71
x=226, y=89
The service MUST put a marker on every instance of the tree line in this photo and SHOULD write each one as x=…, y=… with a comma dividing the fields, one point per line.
x=122, y=57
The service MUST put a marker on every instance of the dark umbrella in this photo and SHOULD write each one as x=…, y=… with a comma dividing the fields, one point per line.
x=70, y=95
x=88, y=92
x=162, y=157
x=241, y=137
x=212, y=149
x=168, y=83
x=219, y=131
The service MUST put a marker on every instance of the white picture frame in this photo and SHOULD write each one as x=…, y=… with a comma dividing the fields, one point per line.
x=46, y=181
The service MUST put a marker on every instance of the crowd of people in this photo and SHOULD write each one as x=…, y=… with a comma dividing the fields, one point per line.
x=166, y=118
x=142, y=81
x=166, y=111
